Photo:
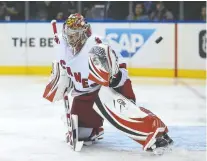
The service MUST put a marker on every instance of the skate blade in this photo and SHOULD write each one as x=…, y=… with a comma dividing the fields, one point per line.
x=90, y=142
x=162, y=150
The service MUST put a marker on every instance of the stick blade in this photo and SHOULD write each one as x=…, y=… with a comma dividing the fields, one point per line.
x=78, y=146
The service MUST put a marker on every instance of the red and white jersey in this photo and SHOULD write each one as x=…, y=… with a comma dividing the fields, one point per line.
x=77, y=66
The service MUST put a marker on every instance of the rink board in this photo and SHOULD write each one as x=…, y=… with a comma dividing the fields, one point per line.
x=27, y=48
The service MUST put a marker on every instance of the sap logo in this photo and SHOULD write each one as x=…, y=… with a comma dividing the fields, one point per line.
x=128, y=41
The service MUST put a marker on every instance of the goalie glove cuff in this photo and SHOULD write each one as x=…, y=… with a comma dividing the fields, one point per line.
x=119, y=79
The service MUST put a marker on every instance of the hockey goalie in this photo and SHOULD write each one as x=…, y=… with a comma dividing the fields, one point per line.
x=91, y=72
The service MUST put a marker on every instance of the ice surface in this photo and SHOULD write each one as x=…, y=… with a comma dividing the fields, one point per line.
x=32, y=129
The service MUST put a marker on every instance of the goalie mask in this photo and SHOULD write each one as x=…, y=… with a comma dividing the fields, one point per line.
x=103, y=64
x=76, y=31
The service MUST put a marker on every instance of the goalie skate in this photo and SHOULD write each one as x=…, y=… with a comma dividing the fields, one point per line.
x=97, y=134
x=163, y=144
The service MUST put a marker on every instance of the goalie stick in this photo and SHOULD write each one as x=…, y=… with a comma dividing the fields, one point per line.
x=54, y=27
x=53, y=22
x=72, y=120
x=72, y=124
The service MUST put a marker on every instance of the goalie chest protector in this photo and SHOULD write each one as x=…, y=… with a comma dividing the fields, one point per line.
x=77, y=66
